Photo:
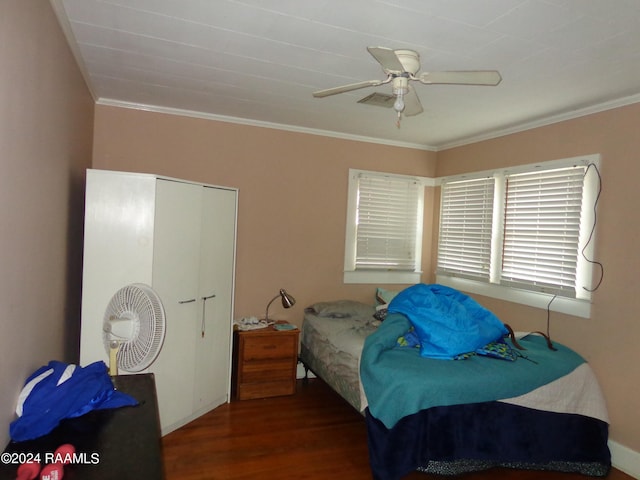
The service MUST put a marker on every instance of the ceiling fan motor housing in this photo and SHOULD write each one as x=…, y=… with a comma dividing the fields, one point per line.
x=409, y=59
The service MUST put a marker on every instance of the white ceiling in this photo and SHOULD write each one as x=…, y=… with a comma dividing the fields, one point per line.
x=258, y=61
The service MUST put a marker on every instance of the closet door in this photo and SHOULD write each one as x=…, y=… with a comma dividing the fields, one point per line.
x=217, y=268
x=175, y=278
x=118, y=248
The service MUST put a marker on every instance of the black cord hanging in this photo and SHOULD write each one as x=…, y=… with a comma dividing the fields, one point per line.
x=593, y=228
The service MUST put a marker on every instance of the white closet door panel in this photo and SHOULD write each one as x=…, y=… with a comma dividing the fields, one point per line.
x=217, y=269
x=175, y=278
x=178, y=237
x=118, y=248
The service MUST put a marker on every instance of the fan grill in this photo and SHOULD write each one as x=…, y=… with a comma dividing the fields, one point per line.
x=139, y=305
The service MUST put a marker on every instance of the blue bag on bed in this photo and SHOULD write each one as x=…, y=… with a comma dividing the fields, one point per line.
x=448, y=322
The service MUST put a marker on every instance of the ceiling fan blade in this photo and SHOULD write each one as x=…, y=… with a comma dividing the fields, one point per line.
x=347, y=88
x=412, y=105
x=387, y=58
x=471, y=77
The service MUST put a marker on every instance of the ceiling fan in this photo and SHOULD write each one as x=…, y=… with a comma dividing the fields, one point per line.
x=401, y=67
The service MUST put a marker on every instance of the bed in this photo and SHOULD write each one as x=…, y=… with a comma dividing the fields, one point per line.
x=542, y=409
x=331, y=341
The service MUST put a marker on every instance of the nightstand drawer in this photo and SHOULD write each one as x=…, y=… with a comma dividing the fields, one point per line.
x=248, y=391
x=265, y=347
x=266, y=371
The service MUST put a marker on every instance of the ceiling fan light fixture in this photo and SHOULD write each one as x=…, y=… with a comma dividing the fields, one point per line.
x=398, y=105
x=400, y=89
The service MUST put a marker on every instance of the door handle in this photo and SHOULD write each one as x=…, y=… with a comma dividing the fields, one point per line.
x=202, y=323
x=182, y=302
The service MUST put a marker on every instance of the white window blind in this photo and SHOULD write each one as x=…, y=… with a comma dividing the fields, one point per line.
x=541, y=230
x=387, y=222
x=466, y=220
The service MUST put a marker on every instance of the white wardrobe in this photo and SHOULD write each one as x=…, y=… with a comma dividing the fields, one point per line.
x=178, y=237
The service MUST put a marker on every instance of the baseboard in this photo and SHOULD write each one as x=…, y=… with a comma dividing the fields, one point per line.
x=625, y=459
x=166, y=429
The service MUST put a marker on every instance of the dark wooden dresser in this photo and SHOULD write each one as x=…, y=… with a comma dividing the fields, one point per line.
x=122, y=443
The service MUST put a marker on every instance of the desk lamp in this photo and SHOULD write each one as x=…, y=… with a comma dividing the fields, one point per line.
x=287, y=302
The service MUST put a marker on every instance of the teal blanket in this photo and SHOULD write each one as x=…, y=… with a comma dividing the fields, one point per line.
x=398, y=381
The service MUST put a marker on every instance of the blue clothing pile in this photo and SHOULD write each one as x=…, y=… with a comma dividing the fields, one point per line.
x=58, y=391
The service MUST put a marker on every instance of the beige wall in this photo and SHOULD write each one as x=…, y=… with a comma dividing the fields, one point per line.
x=303, y=179
x=292, y=195
x=45, y=142
x=609, y=339
x=46, y=117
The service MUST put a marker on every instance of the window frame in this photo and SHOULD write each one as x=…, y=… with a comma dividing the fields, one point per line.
x=579, y=306
x=370, y=276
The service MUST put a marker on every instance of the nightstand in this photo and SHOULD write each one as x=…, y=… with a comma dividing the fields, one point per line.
x=264, y=363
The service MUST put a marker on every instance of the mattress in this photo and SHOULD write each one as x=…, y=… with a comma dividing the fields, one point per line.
x=331, y=346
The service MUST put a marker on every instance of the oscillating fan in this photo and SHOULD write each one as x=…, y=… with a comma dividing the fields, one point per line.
x=133, y=329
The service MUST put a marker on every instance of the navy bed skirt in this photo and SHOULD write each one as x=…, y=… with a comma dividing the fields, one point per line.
x=470, y=437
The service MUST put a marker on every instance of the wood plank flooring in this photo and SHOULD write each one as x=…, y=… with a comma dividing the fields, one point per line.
x=312, y=435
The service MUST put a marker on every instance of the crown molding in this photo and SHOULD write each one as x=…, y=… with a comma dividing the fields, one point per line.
x=258, y=123
x=542, y=122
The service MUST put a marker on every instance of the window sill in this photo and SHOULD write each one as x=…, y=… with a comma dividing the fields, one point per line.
x=382, y=277
x=569, y=306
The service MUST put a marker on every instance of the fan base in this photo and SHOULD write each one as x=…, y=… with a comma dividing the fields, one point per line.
x=409, y=59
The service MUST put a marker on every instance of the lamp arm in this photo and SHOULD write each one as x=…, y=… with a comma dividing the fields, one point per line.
x=266, y=315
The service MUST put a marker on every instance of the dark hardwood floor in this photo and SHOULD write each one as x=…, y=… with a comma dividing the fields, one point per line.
x=314, y=434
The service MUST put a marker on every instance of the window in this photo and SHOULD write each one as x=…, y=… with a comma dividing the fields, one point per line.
x=521, y=234
x=465, y=228
x=541, y=230
x=384, y=228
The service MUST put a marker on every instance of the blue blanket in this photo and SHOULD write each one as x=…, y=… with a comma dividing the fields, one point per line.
x=448, y=322
x=398, y=381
